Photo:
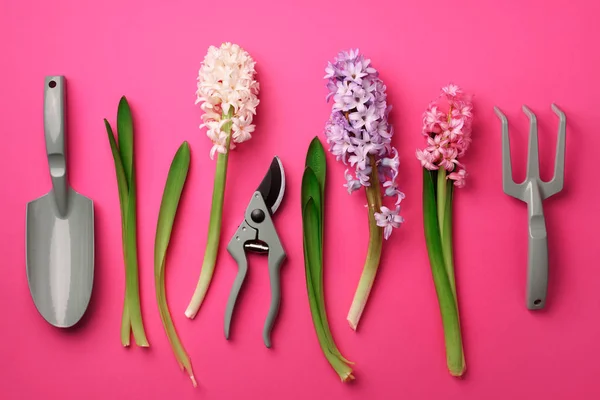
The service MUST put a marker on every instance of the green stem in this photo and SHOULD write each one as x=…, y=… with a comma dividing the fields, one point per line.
x=444, y=212
x=214, y=225
x=446, y=296
x=446, y=235
x=125, y=324
x=125, y=319
x=441, y=197
x=132, y=290
x=367, y=278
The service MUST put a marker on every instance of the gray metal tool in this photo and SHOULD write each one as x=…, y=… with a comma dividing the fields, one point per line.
x=257, y=234
x=533, y=191
x=60, y=228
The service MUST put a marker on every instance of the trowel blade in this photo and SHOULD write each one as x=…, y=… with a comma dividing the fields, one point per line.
x=60, y=257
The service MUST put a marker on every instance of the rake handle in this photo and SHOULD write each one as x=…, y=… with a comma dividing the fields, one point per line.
x=537, y=266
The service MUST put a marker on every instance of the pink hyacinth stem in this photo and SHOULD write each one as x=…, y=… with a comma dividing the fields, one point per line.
x=367, y=278
x=446, y=298
x=444, y=207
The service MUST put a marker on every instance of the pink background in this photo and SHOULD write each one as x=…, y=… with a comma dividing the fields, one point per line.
x=505, y=52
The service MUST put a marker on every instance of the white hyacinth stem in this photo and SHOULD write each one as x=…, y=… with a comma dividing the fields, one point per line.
x=214, y=226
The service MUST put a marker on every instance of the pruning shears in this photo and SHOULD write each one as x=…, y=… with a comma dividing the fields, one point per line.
x=257, y=234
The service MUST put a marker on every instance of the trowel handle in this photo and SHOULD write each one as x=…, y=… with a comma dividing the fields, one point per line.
x=54, y=131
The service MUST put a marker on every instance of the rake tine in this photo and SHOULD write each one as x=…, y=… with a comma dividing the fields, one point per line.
x=508, y=184
x=557, y=182
x=533, y=163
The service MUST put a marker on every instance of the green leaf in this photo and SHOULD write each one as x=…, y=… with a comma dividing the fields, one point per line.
x=315, y=159
x=448, y=307
x=311, y=189
x=166, y=217
x=314, y=273
x=123, y=194
x=125, y=132
x=132, y=292
x=312, y=201
x=125, y=169
x=312, y=259
x=311, y=193
x=316, y=162
x=313, y=184
x=170, y=201
x=121, y=177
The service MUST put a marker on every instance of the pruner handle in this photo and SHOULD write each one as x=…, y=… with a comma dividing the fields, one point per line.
x=257, y=227
x=276, y=257
x=237, y=251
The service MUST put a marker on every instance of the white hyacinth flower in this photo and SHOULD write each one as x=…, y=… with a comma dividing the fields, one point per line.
x=228, y=93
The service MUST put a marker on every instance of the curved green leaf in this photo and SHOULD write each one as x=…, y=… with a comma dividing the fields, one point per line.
x=166, y=217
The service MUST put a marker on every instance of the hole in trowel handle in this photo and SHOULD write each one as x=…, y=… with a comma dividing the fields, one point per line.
x=52, y=84
x=57, y=165
x=537, y=302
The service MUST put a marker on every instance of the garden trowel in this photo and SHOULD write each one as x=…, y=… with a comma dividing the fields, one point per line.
x=60, y=228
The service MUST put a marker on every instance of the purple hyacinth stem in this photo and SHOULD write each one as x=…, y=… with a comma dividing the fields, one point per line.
x=367, y=278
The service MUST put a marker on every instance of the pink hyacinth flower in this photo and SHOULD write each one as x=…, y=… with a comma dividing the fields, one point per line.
x=459, y=178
